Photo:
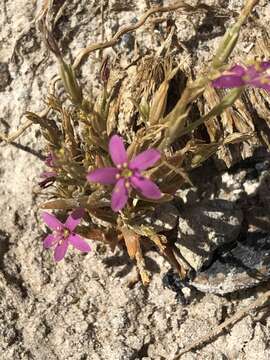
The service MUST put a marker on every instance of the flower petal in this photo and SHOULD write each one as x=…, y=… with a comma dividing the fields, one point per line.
x=79, y=243
x=265, y=87
x=119, y=195
x=51, y=221
x=260, y=85
x=74, y=219
x=253, y=73
x=231, y=78
x=48, y=241
x=262, y=82
x=238, y=70
x=228, y=81
x=104, y=176
x=147, y=187
x=145, y=159
x=117, y=150
x=60, y=251
x=258, y=69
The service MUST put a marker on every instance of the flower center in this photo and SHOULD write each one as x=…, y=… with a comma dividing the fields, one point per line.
x=126, y=173
x=66, y=233
x=61, y=234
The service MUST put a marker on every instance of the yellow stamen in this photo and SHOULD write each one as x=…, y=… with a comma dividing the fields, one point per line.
x=126, y=173
x=246, y=78
x=258, y=67
x=66, y=233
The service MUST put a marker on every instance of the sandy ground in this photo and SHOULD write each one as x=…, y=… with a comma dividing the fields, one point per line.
x=83, y=308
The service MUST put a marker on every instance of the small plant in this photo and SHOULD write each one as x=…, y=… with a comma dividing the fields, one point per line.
x=86, y=155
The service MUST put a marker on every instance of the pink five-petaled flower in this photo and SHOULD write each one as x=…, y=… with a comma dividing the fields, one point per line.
x=256, y=75
x=63, y=234
x=127, y=173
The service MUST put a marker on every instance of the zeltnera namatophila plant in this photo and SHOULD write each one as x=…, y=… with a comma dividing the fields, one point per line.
x=113, y=175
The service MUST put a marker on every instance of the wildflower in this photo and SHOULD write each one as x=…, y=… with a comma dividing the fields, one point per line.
x=63, y=234
x=256, y=75
x=127, y=174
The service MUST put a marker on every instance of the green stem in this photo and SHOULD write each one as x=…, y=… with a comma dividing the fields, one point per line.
x=226, y=102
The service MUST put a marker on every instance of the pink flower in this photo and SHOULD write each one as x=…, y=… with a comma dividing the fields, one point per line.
x=127, y=174
x=63, y=234
x=256, y=75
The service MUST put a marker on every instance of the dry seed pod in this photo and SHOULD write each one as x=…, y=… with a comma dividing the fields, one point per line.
x=132, y=241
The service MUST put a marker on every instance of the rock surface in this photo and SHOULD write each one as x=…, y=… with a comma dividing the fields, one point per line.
x=164, y=218
x=204, y=227
x=245, y=266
